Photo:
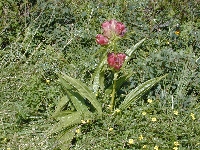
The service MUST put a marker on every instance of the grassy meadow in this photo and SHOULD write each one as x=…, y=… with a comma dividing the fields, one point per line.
x=39, y=39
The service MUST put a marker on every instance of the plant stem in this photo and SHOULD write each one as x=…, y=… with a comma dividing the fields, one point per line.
x=112, y=102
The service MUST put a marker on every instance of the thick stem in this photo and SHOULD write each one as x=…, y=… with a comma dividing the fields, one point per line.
x=112, y=102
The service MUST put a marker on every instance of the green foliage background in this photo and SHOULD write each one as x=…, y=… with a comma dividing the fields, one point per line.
x=40, y=38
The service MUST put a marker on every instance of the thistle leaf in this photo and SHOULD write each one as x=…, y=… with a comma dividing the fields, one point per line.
x=139, y=91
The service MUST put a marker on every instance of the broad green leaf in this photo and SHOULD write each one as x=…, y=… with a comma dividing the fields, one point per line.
x=64, y=100
x=131, y=50
x=101, y=80
x=84, y=91
x=62, y=114
x=78, y=101
x=139, y=91
x=65, y=84
x=67, y=121
x=67, y=138
x=119, y=83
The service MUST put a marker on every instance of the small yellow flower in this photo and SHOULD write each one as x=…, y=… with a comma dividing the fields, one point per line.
x=8, y=148
x=153, y=119
x=78, y=131
x=156, y=147
x=117, y=110
x=144, y=113
x=88, y=121
x=47, y=81
x=149, y=100
x=175, y=148
x=130, y=141
x=110, y=129
x=175, y=112
x=192, y=115
x=177, y=32
x=83, y=121
x=141, y=137
x=167, y=42
x=176, y=143
x=144, y=146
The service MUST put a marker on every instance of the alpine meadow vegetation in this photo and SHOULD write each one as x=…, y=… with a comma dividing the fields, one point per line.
x=120, y=74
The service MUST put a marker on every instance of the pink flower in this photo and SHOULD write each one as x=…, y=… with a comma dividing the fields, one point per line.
x=116, y=60
x=102, y=40
x=113, y=27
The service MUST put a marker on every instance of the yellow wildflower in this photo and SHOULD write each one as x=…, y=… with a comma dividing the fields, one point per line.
x=8, y=148
x=192, y=115
x=149, y=100
x=176, y=143
x=177, y=32
x=175, y=112
x=141, y=137
x=88, y=121
x=144, y=146
x=144, y=113
x=47, y=81
x=130, y=141
x=110, y=129
x=117, y=110
x=78, y=131
x=153, y=119
x=156, y=147
x=83, y=121
x=175, y=148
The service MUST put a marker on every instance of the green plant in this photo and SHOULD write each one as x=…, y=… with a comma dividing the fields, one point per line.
x=85, y=104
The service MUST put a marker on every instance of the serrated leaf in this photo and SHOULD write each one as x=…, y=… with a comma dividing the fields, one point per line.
x=139, y=91
x=84, y=91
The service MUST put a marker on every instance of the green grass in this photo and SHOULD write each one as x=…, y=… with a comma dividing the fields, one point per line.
x=39, y=39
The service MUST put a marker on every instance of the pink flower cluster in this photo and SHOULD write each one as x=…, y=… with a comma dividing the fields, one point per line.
x=111, y=29
x=116, y=60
